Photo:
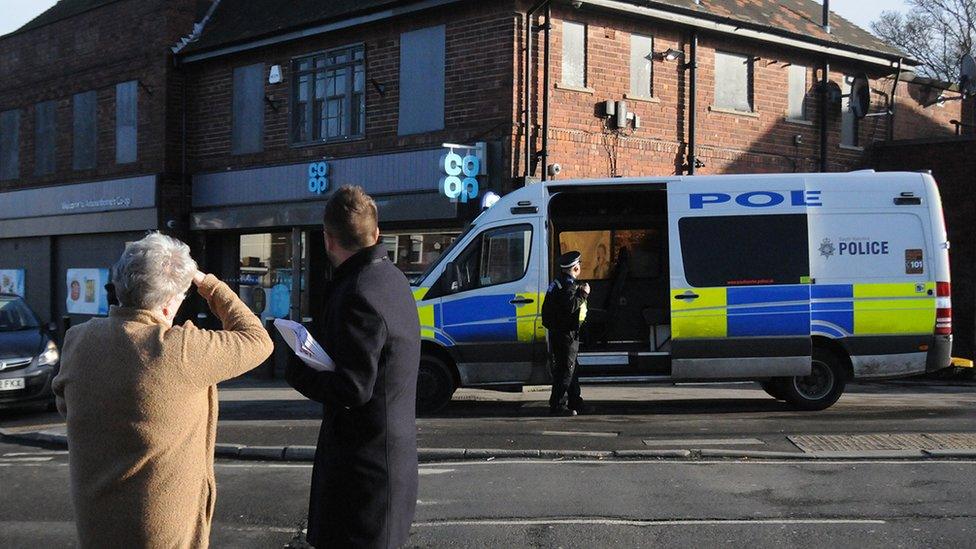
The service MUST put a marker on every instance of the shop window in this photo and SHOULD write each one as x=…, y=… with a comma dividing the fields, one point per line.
x=126, y=121
x=266, y=274
x=496, y=257
x=574, y=55
x=9, y=145
x=733, y=81
x=797, y=104
x=85, y=135
x=45, y=136
x=328, y=96
x=640, y=252
x=247, y=125
x=641, y=66
x=849, y=124
x=744, y=250
x=414, y=253
x=421, y=81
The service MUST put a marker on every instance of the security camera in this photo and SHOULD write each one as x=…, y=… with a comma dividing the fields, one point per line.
x=554, y=169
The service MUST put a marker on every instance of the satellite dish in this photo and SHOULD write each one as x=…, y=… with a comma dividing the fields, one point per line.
x=860, y=98
x=967, y=74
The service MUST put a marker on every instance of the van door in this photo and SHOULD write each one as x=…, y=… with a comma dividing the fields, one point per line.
x=740, y=284
x=489, y=308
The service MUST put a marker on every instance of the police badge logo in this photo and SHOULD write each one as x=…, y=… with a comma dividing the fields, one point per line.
x=827, y=248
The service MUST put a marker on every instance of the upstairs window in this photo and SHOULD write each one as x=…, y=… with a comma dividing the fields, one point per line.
x=641, y=67
x=797, y=103
x=849, y=124
x=247, y=124
x=9, y=145
x=85, y=134
x=126, y=122
x=422, y=81
x=45, y=137
x=574, y=55
x=329, y=103
x=733, y=81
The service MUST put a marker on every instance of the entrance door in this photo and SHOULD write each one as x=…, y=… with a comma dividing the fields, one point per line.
x=740, y=284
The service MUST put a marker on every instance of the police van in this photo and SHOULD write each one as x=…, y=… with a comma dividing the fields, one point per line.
x=799, y=282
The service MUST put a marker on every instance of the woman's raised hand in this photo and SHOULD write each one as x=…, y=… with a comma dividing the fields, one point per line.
x=198, y=278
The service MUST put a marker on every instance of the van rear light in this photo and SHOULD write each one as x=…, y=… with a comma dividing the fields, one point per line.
x=943, y=308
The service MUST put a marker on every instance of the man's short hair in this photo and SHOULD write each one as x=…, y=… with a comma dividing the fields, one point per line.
x=350, y=216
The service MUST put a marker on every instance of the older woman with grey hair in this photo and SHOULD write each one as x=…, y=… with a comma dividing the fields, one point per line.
x=140, y=399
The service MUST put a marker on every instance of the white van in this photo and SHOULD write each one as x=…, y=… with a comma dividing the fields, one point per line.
x=798, y=281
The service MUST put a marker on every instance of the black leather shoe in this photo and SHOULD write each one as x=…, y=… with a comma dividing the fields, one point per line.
x=580, y=410
x=562, y=412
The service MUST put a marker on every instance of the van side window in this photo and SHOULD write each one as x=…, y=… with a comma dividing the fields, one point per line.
x=496, y=256
x=744, y=250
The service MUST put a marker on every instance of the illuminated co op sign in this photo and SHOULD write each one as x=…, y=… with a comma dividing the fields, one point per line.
x=318, y=177
x=460, y=181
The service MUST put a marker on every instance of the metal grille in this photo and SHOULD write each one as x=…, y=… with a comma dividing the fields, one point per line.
x=888, y=441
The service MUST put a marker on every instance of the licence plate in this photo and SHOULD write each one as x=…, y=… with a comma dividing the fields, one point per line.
x=12, y=384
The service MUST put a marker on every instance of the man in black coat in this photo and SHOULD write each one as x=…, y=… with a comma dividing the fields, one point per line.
x=364, y=481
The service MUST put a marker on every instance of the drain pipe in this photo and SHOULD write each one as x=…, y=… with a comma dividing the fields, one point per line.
x=527, y=120
x=692, y=67
x=824, y=82
x=545, y=95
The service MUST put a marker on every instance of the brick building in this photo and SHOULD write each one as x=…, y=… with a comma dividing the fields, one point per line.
x=250, y=112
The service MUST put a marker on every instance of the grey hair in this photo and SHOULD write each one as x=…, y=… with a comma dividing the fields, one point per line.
x=152, y=271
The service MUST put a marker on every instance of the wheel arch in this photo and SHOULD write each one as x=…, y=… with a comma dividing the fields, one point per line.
x=837, y=349
x=428, y=347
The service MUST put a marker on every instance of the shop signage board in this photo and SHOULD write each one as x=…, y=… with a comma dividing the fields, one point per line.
x=86, y=291
x=12, y=281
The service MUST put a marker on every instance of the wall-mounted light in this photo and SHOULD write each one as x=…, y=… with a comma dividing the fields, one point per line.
x=672, y=54
x=380, y=88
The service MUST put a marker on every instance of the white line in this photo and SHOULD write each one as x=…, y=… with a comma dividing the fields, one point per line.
x=630, y=522
x=50, y=453
x=658, y=462
x=24, y=459
x=264, y=465
x=606, y=434
x=698, y=443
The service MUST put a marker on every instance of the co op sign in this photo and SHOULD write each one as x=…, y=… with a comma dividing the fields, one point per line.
x=460, y=181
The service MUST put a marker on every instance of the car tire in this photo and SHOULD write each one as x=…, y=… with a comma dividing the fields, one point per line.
x=820, y=389
x=435, y=384
x=773, y=389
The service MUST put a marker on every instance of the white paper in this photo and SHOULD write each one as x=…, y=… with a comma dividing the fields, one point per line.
x=304, y=345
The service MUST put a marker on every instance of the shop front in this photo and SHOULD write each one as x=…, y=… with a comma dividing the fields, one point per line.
x=261, y=229
x=58, y=243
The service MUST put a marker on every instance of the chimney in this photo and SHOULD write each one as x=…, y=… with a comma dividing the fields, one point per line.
x=826, y=16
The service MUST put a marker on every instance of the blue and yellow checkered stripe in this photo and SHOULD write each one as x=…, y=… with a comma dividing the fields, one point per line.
x=483, y=318
x=833, y=310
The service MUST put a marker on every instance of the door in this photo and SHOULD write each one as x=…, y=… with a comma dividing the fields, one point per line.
x=740, y=284
x=490, y=310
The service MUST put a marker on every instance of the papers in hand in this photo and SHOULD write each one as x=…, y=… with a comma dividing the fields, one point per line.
x=304, y=345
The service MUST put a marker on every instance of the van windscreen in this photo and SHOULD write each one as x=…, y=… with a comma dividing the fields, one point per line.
x=744, y=250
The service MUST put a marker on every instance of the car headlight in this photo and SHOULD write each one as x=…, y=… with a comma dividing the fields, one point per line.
x=49, y=356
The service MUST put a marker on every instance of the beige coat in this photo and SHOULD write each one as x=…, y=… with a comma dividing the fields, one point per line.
x=141, y=406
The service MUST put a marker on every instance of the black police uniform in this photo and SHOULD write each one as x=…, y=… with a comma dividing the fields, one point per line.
x=568, y=300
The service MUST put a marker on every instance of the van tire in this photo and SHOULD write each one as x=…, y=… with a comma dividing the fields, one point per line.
x=821, y=388
x=435, y=384
x=773, y=389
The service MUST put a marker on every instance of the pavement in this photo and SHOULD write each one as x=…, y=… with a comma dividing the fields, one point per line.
x=913, y=419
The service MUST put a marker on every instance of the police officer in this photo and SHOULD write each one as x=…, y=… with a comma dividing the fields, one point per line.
x=563, y=311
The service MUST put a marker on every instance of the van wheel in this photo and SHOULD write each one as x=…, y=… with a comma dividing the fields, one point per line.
x=773, y=389
x=435, y=384
x=820, y=389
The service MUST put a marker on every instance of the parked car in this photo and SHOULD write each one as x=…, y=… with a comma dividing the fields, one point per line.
x=29, y=357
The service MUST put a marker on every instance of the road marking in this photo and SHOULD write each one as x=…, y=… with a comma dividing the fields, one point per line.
x=581, y=433
x=631, y=522
x=685, y=462
x=435, y=471
x=24, y=459
x=50, y=453
x=698, y=443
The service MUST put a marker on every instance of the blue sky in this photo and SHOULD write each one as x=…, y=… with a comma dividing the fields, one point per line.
x=862, y=12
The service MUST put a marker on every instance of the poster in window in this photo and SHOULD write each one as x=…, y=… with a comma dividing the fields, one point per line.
x=12, y=281
x=595, y=248
x=86, y=291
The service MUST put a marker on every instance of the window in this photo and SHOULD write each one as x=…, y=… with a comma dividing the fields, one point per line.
x=574, y=55
x=733, y=81
x=9, y=145
x=496, y=256
x=797, y=101
x=641, y=252
x=247, y=124
x=266, y=274
x=328, y=97
x=641, y=67
x=421, y=81
x=849, y=124
x=744, y=250
x=126, y=122
x=85, y=138
x=414, y=253
x=45, y=134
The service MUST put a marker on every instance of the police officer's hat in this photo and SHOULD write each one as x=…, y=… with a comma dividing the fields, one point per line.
x=569, y=259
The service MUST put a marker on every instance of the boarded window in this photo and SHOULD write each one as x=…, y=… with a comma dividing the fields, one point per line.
x=849, y=123
x=328, y=96
x=744, y=250
x=733, y=81
x=641, y=68
x=421, y=81
x=45, y=135
x=574, y=55
x=247, y=135
x=10, y=144
x=797, y=105
x=126, y=121
x=85, y=138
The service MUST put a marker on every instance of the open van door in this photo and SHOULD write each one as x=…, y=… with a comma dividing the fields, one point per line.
x=740, y=277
